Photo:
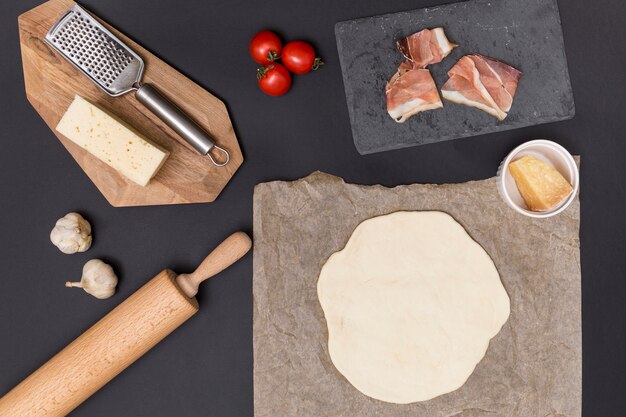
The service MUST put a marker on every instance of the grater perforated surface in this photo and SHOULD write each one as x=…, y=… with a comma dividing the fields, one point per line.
x=96, y=52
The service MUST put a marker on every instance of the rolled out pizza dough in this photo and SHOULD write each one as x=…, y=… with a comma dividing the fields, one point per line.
x=411, y=304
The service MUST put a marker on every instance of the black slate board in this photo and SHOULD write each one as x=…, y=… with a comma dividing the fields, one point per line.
x=526, y=34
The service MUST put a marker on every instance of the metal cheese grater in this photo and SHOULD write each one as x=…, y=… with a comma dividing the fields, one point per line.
x=117, y=70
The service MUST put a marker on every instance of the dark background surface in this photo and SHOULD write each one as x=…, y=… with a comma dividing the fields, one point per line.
x=205, y=367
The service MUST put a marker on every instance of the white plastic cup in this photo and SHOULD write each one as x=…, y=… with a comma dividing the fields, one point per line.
x=554, y=155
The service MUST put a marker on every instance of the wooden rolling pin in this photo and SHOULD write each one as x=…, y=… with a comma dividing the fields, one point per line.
x=118, y=339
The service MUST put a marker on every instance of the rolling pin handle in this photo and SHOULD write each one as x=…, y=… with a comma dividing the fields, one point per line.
x=227, y=253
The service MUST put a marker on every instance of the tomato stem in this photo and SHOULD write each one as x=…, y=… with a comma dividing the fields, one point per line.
x=272, y=56
x=262, y=72
x=317, y=63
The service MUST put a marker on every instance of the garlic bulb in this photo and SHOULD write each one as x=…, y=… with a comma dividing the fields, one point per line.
x=98, y=279
x=71, y=234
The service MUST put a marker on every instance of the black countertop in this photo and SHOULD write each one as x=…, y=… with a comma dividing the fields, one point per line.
x=205, y=368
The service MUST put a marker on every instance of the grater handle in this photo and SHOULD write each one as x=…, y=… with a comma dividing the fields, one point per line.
x=182, y=124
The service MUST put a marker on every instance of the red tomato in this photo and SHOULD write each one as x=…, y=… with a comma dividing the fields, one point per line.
x=274, y=79
x=265, y=47
x=299, y=57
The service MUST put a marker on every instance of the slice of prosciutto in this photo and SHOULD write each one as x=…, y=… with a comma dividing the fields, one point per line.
x=412, y=88
x=410, y=91
x=428, y=46
x=482, y=82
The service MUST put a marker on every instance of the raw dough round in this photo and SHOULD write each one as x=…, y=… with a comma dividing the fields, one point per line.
x=411, y=303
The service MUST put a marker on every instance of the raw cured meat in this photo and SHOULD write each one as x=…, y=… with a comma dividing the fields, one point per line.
x=428, y=46
x=410, y=91
x=412, y=88
x=482, y=82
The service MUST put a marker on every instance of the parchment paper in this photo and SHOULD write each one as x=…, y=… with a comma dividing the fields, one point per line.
x=532, y=367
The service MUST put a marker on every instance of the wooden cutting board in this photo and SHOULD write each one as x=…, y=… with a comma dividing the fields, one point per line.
x=186, y=177
x=526, y=34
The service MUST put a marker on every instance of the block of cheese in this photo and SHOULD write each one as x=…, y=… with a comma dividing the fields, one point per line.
x=111, y=141
x=541, y=185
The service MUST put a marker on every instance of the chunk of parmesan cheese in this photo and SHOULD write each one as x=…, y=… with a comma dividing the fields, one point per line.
x=111, y=141
x=542, y=187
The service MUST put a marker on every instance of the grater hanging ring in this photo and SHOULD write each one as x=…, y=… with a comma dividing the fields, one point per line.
x=222, y=150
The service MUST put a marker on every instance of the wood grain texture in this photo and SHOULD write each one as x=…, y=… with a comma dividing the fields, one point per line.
x=187, y=177
x=227, y=253
x=103, y=351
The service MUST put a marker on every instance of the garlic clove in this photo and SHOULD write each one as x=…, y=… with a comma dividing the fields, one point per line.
x=71, y=234
x=98, y=279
